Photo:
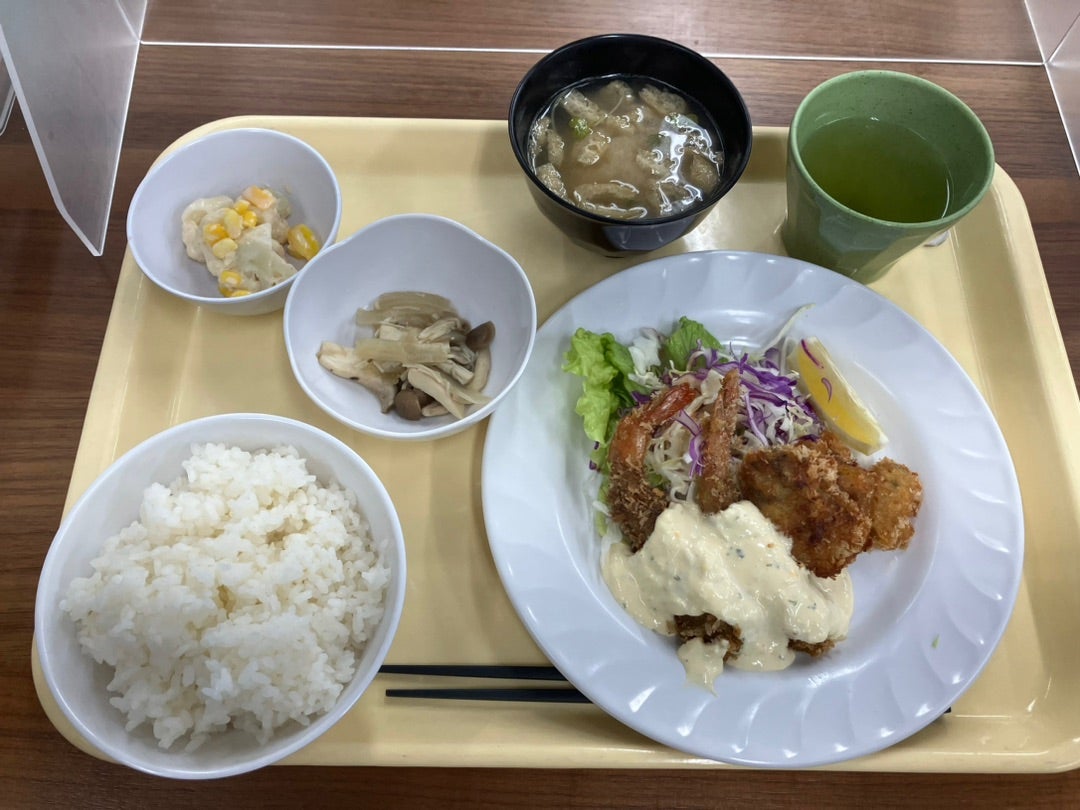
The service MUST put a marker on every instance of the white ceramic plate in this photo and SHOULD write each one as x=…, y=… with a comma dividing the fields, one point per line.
x=926, y=619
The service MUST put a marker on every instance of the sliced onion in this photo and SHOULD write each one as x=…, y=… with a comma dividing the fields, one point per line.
x=697, y=466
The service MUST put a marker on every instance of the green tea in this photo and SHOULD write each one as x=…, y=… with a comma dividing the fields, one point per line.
x=879, y=169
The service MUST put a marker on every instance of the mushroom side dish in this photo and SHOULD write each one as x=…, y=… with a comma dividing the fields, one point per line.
x=422, y=360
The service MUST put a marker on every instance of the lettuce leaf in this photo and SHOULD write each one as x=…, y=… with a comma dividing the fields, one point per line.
x=685, y=340
x=605, y=366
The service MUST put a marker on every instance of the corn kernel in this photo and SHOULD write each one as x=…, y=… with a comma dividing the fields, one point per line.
x=259, y=197
x=223, y=247
x=302, y=242
x=250, y=218
x=213, y=232
x=231, y=283
x=230, y=278
x=241, y=205
x=237, y=293
x=233, y=223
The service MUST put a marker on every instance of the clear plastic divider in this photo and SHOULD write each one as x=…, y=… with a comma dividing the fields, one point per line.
x=7, y=97
x=1057, y=30
x=71, y=64
x=1064, y=72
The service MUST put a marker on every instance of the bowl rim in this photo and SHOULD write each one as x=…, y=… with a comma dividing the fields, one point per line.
x=169, y=156
x=269, y=753
x=437, y=431
x=707, y=64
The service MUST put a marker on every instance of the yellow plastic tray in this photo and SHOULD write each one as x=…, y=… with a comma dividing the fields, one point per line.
x=983, y=294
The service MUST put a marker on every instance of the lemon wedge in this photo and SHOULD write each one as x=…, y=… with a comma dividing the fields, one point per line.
x=833, y=397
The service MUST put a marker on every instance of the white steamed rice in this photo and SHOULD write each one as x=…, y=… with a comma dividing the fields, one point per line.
x=242, y=597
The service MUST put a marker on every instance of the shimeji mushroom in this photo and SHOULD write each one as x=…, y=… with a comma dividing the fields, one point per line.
x=423, y=360
x=344, y=362
x=442, y=389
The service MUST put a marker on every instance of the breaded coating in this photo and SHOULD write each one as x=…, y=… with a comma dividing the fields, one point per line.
x=828, y=504
x=889, y=492
x=717, y=488
x=710, y=630
x=795, y=486
x=635, y=506
x=893, y=505
x=815, y=650
x=634, y=503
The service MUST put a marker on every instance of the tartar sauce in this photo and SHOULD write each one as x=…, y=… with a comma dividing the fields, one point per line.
x=737, y=566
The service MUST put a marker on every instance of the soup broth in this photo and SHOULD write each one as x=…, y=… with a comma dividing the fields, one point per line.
x=626, y=148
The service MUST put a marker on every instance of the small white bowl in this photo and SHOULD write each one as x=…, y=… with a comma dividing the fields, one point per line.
x=78, y=684
x=414, y=252
x=227, y=162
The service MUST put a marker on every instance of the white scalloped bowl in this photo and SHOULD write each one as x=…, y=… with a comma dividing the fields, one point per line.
x=227, y=162
x=78, y=684
x=414, y=252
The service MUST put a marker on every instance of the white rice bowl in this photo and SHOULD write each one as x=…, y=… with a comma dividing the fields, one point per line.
x=240, y=615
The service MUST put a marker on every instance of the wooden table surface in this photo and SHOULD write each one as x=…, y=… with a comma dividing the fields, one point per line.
x=422, y=58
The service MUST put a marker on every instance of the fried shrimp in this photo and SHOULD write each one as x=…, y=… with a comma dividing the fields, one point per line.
x=717, y=488
x=635, y=504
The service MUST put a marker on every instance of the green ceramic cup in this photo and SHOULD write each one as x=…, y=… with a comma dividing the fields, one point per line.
x=887, y=195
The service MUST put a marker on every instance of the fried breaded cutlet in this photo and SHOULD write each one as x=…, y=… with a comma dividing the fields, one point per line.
x=888, y=492
x=893, y=505
x=710, y=630
x=795, y=486
x=832, y=508
x=813, y=649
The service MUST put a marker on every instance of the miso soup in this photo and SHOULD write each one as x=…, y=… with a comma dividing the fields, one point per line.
x=626, y=148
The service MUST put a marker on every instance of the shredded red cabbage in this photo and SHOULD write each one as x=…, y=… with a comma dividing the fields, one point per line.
x=810, y=354
x=755, y=420
x=761, y=377
x=688, y=422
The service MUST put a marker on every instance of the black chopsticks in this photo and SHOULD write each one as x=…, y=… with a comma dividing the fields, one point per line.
x=524, y=694
x=515, y=694
x=521, y=673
